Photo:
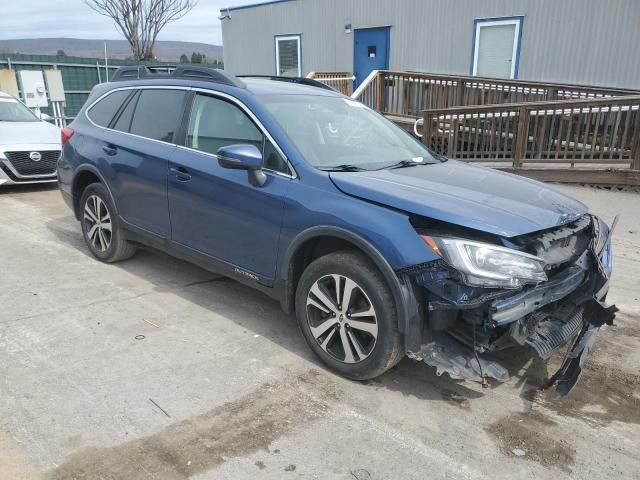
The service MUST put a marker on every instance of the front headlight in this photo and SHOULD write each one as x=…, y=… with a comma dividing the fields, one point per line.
x=486, y=265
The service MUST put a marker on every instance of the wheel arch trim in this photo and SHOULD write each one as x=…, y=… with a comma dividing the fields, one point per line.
x=406, y=302
x=89, y=168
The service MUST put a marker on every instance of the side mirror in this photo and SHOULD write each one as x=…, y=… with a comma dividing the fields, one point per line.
x=243, y=157
x=45, y=117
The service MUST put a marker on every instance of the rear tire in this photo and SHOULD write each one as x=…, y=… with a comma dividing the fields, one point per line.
x=358, y=339
x=100, y=226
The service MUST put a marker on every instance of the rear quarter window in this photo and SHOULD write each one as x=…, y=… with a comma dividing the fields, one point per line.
x=158, y=113
x=103, y=112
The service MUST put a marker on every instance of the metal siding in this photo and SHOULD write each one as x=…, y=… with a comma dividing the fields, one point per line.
x=572, y=41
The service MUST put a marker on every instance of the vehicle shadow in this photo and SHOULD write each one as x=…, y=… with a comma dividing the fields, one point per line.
x=262, y=315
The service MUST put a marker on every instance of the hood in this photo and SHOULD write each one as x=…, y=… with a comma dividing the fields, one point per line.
x=28, y=133
x=470, y=196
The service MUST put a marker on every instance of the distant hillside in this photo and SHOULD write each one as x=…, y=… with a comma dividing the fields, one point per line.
x=78, y=47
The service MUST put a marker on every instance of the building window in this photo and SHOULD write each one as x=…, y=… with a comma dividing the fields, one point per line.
x=496, y=47
x=288, y=56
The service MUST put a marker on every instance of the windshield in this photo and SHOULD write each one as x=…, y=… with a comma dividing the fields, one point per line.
x=337, y=132
x=12, y=110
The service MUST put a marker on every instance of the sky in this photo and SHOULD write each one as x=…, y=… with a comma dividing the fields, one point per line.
x=72, y=18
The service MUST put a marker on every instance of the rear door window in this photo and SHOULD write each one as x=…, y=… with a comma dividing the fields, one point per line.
x=103, y=112
x=158, y=113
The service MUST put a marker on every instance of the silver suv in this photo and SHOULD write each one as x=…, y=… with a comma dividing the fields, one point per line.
x=29, y=146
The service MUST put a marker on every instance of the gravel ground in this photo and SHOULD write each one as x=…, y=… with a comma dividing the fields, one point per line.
x=156, y=369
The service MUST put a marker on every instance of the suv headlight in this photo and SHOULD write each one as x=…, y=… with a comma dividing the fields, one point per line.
x=486, y=265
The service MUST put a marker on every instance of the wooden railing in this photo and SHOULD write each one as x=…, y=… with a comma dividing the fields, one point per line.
x=341, y=81
x=408, y=93
x=600, y=131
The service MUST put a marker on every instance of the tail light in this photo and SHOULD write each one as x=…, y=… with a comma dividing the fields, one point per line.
x=65, y=134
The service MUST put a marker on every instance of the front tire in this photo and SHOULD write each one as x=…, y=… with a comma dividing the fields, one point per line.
x=347, y=315
x=100, y=226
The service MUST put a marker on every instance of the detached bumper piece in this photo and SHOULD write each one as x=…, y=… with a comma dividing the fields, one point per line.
x=596, y=314
x=449, y=355
x=548, y=334
x=465, y=325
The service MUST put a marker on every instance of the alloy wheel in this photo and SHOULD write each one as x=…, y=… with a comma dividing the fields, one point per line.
x=342, y=318
x=98, y=226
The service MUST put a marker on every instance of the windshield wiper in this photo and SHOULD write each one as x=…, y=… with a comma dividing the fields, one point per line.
x=405, y=163
x=343, y=168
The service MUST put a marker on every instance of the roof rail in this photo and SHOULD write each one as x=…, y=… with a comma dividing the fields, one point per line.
x=301, y=80
x=137, y=72
x=188, y=72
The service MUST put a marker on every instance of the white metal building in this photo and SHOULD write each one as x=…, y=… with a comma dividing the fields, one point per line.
x=569, y=41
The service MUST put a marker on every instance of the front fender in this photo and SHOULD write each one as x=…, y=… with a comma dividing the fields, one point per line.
x=387, y=230
x=385, y=235
x=404, y=293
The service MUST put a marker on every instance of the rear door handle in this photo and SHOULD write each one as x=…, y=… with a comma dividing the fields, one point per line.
x=110, y=150
x=181, y=173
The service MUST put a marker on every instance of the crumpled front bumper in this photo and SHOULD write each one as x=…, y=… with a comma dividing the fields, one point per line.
x=595, y=314
x=569, y=309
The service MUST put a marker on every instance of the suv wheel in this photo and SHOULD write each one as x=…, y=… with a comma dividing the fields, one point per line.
x=100, y=226
x=347, y=315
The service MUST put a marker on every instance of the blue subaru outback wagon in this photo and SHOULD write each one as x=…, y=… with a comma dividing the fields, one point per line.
x=380, y=247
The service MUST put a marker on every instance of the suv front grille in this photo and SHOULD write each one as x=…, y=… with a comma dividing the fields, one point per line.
x=560, y=246
x=23, y=164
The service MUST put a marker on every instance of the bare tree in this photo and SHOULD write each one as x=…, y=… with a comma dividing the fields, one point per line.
x=140, y=21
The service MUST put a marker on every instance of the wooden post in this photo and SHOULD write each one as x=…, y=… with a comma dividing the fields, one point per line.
x=453, y=136
x=635, y=146
x=460, y=93
x=380, y=92
x=635, y=153
x=427, y=124
x=407, y=95
x=522, y=137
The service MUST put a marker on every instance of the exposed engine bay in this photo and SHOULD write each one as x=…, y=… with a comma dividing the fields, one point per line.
x=551, y=295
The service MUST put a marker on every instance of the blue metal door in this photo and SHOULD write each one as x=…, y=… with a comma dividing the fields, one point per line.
x=370, y=51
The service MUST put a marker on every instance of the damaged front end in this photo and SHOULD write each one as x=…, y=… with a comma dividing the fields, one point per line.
x=541, y=291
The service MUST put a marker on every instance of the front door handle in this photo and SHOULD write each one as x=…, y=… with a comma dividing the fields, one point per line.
x=110, y=150
x=181, y=173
